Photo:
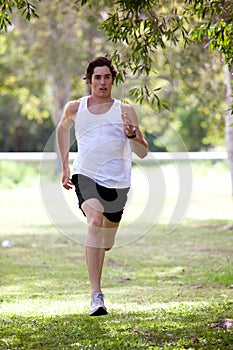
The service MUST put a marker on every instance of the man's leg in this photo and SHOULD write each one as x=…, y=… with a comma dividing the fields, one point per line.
x=100, y=238
x=110, y=230
x=94, y=249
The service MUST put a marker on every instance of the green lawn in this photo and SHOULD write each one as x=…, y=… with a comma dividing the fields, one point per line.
x=162, y=290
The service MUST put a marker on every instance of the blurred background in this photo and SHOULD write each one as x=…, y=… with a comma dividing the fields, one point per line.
x=42, y=63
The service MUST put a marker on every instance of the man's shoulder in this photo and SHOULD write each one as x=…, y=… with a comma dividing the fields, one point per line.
x=72, y=106
x=126, y=107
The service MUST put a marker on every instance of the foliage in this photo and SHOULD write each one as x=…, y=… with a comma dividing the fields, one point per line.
x=141, y=27
x=215, y=25
x=21, y=85
x=28, y=9
x=46, y=70
x=21, y=134
x=14, y=174
x=198, y=83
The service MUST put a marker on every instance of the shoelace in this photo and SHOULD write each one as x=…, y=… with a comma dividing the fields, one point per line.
x=97, y=298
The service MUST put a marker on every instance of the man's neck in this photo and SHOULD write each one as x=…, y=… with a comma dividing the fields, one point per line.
x=99, y=105
x=94, y=100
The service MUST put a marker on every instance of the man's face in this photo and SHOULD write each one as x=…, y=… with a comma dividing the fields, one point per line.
x=101, y=81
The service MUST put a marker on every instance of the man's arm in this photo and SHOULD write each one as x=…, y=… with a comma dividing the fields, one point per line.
x=138, y=144
x=63, y=140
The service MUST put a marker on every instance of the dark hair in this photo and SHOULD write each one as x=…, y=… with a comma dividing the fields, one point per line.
x=99, y=62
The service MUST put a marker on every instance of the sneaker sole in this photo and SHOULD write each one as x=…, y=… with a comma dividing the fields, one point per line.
x=99, y=312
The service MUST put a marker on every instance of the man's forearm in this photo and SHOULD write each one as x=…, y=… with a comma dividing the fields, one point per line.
x=139, y=145
x=140, y=149
x=63, y=142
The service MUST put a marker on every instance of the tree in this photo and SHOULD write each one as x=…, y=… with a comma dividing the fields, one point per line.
x=138, y=29
x=56, y=45
x=47, y=66
x=197, y=77
x=143, y=26
x=215, y=26
x=22, y=94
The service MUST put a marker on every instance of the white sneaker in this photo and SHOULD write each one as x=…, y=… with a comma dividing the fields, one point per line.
x=97, y=305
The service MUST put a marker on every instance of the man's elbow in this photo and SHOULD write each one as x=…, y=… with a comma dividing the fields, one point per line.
x=58, y=130
x=61, y=128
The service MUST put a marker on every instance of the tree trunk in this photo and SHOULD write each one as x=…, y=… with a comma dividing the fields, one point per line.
x=61, y=90
x=229, y=120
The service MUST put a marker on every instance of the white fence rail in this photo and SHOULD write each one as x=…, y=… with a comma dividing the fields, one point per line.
x=151, y=157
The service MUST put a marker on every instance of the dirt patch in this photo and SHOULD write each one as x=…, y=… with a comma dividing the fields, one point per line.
x=226, y=323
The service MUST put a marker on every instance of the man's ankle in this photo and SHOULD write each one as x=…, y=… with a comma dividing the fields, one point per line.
x=96, y=291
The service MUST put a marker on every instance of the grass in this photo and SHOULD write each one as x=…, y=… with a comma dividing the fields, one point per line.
x=164, y=291
x=14, y=174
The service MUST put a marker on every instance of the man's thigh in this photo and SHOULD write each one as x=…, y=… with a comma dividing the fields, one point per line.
x=93, y=209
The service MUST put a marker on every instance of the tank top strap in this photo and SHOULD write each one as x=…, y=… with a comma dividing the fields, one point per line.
x=83, y=103
x=117, y=103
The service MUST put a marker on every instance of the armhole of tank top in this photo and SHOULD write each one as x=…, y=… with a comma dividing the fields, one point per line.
x=82, y=105
x=120, y=104
x=117, y=104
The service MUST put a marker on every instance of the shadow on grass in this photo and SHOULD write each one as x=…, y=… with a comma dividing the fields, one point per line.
x=195, y=255
x=180, y=327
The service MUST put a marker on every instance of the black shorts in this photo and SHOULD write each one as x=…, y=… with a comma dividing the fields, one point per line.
x=112, y=199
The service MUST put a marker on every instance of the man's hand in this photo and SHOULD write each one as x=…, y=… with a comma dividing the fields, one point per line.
x=66, y=181
x=128, y=124
x=130, y=120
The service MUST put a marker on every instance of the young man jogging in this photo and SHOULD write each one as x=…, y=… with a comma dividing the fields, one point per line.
x=107, y=132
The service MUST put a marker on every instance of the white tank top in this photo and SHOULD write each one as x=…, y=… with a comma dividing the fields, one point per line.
x=104, y=152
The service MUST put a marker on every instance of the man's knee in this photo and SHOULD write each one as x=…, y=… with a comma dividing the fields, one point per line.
x=93, y=210
x=95, y=220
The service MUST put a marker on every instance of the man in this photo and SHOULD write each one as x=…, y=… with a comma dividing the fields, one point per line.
x=107, y=132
